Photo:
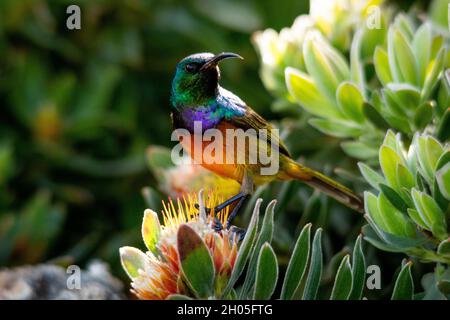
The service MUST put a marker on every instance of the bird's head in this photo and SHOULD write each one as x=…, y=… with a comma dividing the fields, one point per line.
x=196, y=78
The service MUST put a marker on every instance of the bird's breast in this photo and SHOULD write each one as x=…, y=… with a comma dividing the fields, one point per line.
x=199, y=119
x=212, y=153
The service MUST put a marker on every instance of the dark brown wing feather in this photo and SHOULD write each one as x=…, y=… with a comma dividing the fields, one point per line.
x=252, y=120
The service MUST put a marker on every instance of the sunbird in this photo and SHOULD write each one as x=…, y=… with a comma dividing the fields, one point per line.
x=196, y=96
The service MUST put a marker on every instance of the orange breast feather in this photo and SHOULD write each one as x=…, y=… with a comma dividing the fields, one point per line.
x=214, y=155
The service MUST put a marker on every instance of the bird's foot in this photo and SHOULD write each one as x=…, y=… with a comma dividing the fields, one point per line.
x=236, y=209
x=217, y=225
x=239, y=232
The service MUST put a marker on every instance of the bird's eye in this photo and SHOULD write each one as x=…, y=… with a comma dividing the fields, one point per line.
x=191, y=67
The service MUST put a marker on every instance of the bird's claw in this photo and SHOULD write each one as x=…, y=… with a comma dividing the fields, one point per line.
x=217, y=225
x=239, y=232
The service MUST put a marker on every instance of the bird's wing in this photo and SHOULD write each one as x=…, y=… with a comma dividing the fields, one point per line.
x=252, y=120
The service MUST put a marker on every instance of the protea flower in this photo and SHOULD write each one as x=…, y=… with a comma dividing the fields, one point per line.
x=185, y=254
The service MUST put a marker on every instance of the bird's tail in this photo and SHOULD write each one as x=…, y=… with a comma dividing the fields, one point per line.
x=327, y=185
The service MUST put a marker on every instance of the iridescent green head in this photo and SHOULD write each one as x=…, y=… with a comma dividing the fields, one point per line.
x=196, y=79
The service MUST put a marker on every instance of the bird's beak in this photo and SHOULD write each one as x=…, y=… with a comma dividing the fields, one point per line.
x=212, y=62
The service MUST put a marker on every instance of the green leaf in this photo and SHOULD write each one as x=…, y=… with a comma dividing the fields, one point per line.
x=396, y=222
x=400, y=123
x=266, y=273
x=350, y=100
x=389, y=160
x=406, y=195
x=423, y=115
x=245, y=249
x=196, y=262
x=372, y=236
x=132, y=260
x=422, y=45
x=443, y=130
x=429, y=150
x=358, y=271
x=343, y=282
x=375, y=117
x=381, y=62
x=371, y=208
x=415, y=216
x=265, y=235
x=436, y=46
x=393, y=141
x=403, y=23
x=356, y=62
x=370, y=175
x=438, y=196
x=443, y=159
x=326, y=66
x=393, y=197
x=336, y=128
x=404, y=286
x=297, y=265
x=394, y=105
x=151, y=229
x=420, y=182
x=443, y=98
x=359, y=150
x=434, y=69
x=405, y=179
x=305, y=92
x=402, y=98
x=443, y=180
x=402, y=61
x=315, y=268
x=395, y=242
x=431, y=213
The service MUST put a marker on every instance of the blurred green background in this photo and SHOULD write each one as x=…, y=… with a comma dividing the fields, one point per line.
x=78, y=108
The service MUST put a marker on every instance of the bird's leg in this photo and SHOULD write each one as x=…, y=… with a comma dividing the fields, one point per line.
x=235, y=211
x=247, y=187
x=239, y=197
x=226, y=203
x=223, y=205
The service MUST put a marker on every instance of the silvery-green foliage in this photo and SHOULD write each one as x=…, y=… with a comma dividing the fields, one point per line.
x=411, y=206
x=388, y=76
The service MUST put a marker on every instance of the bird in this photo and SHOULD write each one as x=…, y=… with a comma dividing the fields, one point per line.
x=197, y=97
